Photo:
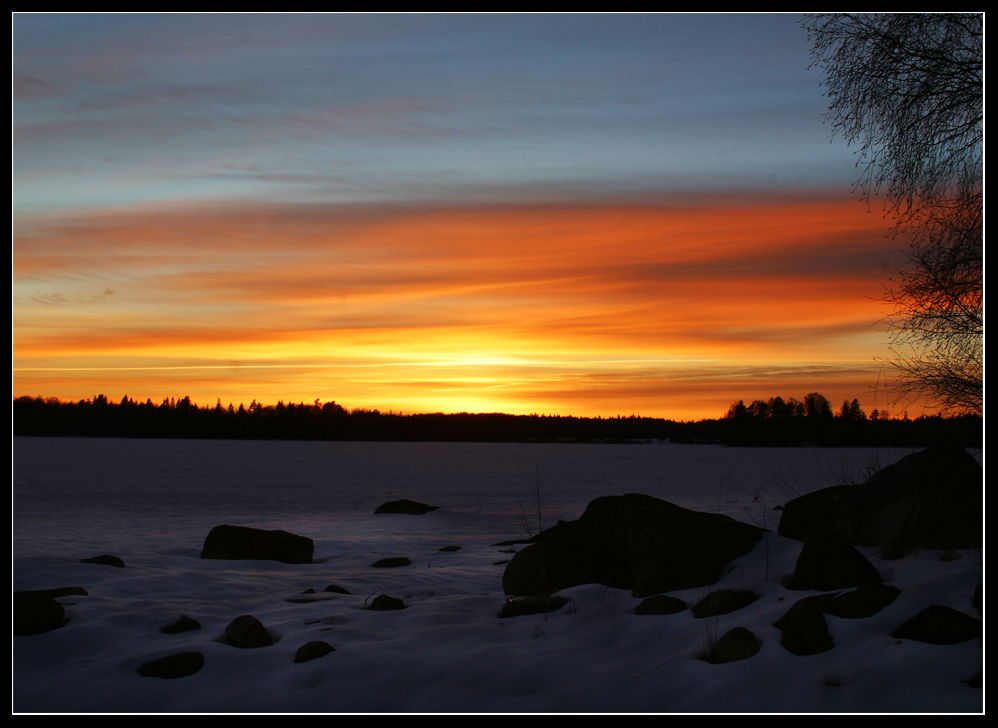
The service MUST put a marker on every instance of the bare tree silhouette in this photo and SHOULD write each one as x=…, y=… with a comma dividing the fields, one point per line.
x=908, y=89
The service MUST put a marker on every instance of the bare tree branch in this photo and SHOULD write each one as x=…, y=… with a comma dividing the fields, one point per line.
x=907, y=89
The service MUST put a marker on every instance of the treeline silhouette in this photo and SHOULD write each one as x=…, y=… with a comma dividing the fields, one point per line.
x=775, y=422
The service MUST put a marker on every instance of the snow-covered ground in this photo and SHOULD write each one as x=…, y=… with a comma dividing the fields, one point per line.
x=152, y=502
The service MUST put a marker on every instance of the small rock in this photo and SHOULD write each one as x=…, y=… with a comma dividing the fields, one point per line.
x=828, y=562
x=173, y=666
x=105, y=560
x=392, y=562
x=182, y=624
x=384, y=603
x=247, y=632
x=407, y=507
x=722, y=601
x=336, y=589
x=661, y=604
x=939, y=625
x=736, y=644
x=451, y=548
x=805, y=631
x=313, y=650
x=35, y=613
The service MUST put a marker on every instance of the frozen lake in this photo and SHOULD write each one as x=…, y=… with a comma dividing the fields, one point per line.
x=152, y=502
x=102, y=489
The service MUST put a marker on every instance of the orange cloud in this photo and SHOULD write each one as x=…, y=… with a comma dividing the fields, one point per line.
x=568, y=309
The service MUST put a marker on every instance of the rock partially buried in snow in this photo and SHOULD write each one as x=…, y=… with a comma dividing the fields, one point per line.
x=392, y=562
x=722, y=601
x=104, y=560
x=313, y=650
x=336, y=589
x=35, y=612
x=385, y=603
x=939, y=625
x=247, y=632
x=661, y=604
x=863, y=602
x=172, y=667
x=242, y=542
x=182, y=624
x=736, y=644
x=633, y=542
x=828, y=562
x=408, y=507
x=804, y=629
x=932, y=499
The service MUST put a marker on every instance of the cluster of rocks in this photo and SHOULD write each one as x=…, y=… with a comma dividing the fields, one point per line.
x=37, y=611
x=932, y=499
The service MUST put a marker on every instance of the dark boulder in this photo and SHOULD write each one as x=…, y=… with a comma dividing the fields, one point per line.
x=313, y=650
x=241, y=542
x=632, y=542
x=827, y=562
x=722, y=601
x=931, y=499
x=408, y=507
x=809, y=513
x=736, y=644
x=385, y=603
x=181, y=624
x=804, y=629
x=336, y=589
x=172, y=667
x=62, y=591
x=104, y=560
x=661, y=604
x=35, y=612
x=939, y=625
x=247, y=632
x=392, y=562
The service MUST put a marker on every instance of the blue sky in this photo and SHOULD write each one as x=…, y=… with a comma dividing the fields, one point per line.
x=564, y=213
x=447, y=107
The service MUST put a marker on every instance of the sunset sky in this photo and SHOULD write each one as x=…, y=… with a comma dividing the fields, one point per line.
x=589, y=214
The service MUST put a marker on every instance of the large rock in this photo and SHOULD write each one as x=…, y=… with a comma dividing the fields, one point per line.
x=931, y=499
x=632, y=542
x=241, y=542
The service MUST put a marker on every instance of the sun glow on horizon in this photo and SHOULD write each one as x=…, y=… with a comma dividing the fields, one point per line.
x=655, y=310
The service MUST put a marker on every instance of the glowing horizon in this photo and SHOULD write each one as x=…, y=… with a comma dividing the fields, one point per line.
x=561, y=310
x=593, y=215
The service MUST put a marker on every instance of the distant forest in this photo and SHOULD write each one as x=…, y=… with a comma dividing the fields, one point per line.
x=776, y=422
